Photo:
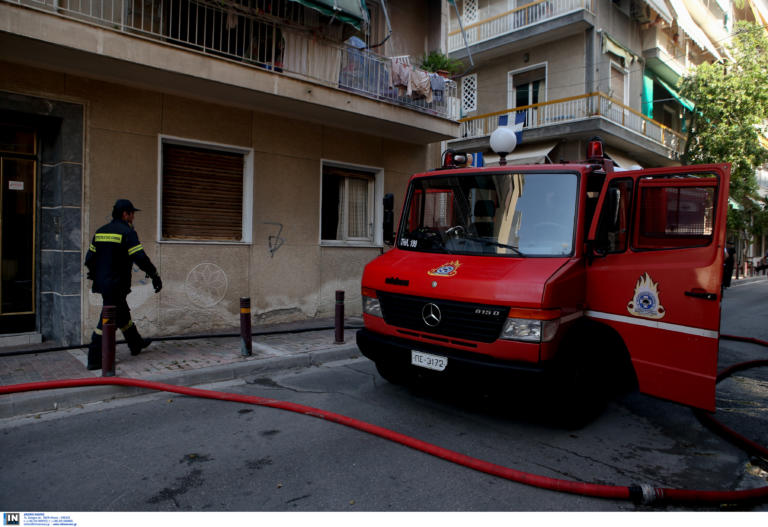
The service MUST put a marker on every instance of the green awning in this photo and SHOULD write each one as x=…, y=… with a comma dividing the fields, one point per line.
x=647, y=101
x=353, y=12
x=688, y=105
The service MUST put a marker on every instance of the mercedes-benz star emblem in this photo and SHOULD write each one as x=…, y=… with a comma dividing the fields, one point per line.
x=431, y=315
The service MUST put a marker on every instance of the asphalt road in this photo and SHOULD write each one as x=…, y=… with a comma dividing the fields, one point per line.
x=164, y=452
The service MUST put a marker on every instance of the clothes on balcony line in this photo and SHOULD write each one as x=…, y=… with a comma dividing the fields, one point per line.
x=411, y=81
x=400, y=76
x=438, y=86
x=420, y=84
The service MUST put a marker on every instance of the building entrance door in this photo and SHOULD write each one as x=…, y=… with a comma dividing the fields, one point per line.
x=18, y=167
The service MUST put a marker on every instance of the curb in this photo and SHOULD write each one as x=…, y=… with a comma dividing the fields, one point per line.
x=748, y=280
x=18, y=404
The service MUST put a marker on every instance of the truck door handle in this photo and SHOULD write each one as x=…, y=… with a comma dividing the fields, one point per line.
x=701, y=294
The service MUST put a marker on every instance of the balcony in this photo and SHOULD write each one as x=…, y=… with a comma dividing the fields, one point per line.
x=268, y=50
x=580, y=117
x=535, y=23
x=663, y=55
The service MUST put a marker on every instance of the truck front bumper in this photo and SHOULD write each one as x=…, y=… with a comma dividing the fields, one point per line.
x=397, y=352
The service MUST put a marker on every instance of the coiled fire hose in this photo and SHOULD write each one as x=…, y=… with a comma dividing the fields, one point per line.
x=637, y=493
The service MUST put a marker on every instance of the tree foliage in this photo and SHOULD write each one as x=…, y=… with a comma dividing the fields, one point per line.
x=731, y=99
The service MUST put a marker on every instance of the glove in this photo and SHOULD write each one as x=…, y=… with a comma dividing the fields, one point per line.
x=157, y=283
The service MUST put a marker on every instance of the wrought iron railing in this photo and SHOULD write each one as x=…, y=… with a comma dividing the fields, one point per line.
x=276, y=35
x=577, y=108
x=533, y=13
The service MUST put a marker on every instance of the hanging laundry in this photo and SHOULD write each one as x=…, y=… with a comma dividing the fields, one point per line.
x=438, y=85
x=401, y=74
x=420, y=84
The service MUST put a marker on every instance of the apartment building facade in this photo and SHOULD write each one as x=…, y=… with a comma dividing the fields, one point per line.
x=574, y=69
x=257, y=137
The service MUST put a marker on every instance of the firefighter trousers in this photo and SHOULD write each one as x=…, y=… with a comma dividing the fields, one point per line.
x=122, y=321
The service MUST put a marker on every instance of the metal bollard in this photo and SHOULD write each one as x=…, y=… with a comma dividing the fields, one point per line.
x=339, y=321
x=246, y=339
x=108, y=330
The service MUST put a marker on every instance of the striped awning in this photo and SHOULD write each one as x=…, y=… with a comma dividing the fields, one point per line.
x=685, y=21
x=661, y=8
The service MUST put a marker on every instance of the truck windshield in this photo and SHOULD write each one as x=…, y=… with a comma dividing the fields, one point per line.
x=506, y=214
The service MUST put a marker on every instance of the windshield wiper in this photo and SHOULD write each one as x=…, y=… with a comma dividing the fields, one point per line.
x=497, y=244
x=460, y=232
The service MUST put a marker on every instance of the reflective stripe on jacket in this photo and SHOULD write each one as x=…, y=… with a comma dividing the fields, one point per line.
x=113, y=251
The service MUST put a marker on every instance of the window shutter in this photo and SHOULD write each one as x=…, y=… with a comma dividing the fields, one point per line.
x=202, y=194
x=469, y=94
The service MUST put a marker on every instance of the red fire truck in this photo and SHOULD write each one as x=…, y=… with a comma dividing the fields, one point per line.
x=588, y=276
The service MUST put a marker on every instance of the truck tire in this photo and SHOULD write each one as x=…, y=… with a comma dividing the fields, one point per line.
x=393, y=373
x=579, y=391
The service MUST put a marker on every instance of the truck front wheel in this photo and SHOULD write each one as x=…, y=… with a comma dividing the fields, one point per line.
x=393, y=373
x=579, y=392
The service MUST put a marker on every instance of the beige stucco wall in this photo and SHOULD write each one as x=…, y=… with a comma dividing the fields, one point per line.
x=204, y=282
x=565, y=64
x=565, y=60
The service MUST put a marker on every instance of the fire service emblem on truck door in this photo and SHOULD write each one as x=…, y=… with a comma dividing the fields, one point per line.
x=446, y=270
x=646, y=300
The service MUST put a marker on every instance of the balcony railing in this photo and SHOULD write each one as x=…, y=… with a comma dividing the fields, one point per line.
x=514, y=19
x=578, y=108
x=272, y=35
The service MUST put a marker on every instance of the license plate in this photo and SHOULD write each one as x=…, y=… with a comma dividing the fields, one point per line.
x=429, y=361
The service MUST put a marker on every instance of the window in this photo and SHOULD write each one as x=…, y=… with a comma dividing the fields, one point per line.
x=468, y=94
x=613, y=229
x=470, y=12
x=202, y=192
x=470, y=15
x=348, y=208
x=619, y=84
x=674, y=215
x=528, y=87
x=509, y=215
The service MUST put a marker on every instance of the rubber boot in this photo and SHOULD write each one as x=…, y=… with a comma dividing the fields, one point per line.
x=134, y=340
x=94, y=352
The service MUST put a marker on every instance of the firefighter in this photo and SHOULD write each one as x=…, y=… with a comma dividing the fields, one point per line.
x=114, y=249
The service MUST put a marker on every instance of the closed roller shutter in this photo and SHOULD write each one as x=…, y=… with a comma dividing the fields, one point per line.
x=202, y=194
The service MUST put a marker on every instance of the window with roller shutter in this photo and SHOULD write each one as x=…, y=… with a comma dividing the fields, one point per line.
x=202, y=193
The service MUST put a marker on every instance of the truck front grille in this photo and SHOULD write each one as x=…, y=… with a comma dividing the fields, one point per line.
x=474, y=322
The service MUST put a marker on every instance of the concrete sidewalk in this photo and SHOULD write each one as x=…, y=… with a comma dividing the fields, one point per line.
x=180, y=362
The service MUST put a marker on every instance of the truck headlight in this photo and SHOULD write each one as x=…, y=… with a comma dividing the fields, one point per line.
x=529, y=330
x=371, y=304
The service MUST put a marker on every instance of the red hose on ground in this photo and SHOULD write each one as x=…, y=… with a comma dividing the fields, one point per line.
x=708, y=420
x=644, y=493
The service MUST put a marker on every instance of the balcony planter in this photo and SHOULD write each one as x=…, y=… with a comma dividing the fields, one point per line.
x=437, y=62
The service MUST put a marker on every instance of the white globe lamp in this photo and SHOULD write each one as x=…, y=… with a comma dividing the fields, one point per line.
x=503, y=141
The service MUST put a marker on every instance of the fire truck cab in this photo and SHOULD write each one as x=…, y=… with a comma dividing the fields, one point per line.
x=589, y=276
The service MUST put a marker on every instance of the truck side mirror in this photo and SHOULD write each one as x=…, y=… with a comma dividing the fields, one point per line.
x=388, y=223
